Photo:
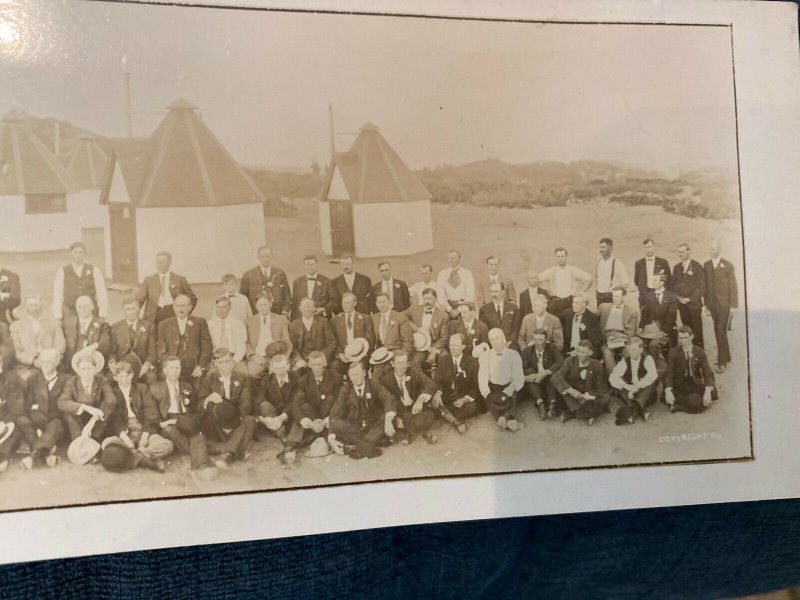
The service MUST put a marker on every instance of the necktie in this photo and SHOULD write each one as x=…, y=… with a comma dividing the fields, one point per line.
x=499, y=309
x=688, y=363
x=454, y=279
x=133, y=330
x=349, y=321
x=390, y=292
x=264, y=320
x=319, y=382
x=177, y=391
x=382, y=331
x=658, y=297
x=163, y=285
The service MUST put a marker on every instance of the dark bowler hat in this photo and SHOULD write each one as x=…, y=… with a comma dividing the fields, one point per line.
x=683, y=290
x=186, y=425
x=275, y=348
x=116, y=456
x=226, y=414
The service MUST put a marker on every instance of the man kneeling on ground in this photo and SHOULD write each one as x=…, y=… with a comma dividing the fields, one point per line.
x=412, y=391
x=581, y=384
x=458, y=396
x=635, y=378
x=43, y=426
x=689, y=381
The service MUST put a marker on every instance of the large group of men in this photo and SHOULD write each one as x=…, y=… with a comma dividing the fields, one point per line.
x=345, y=365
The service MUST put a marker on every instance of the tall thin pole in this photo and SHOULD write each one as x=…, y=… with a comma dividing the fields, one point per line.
x=126, y=77
x=330, y=123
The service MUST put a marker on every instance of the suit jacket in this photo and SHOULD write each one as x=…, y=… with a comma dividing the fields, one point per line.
x=320, y=294
x=74, y=396
x=416, y=383
x=401, y=299
x=510, y=322
x=314, y=401
x=254, y=285
x=440, y=325
x=144, y=409
x=362, y=327
x=664, y=313
x=235, y=331
x=280, y=398
x=99, y=332
x=551, y=324
x=694, y=278
x=630, y=318
x=551, y=359
x=241, y=392
x=721, y=289
x=42, y=402
x=568, y=375
x=351, y=410
x=27, y=345
x=198, y=348
x=159, y=393
x=12, y=392
x=455, y=385
x=278, y=325
x=320, y=337
x=591, y=332
x=9, y=284
x=525, y=303
x=362, y=288
x=150, y=290
x=398, y=332
x=142, y=343
x=478, y=334
x=677, y=368
x=482, y=287
x=660, y=266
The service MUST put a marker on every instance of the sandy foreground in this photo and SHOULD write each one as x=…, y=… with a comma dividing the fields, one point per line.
x=522, y=239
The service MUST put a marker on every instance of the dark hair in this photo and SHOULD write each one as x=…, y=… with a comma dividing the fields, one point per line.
x=686, y=329
x=398, y=354
x=384, y=262
x=131, y=300
x=379, y=294
x=620, y=288
x=561, y=249
x=429, y=290
x=586, y=344
x=347, y=257
x=228, y=277
x=607, y=241
x=310, y=257
x=221, y=353
x=74, y=245
x=648, y=241
x=169, y=359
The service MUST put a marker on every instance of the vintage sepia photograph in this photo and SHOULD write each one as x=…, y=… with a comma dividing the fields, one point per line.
x=250, y=250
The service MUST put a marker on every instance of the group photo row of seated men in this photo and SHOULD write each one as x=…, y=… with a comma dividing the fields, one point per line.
x=344, y=365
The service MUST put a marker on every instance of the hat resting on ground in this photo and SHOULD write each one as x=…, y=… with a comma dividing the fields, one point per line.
x=186, y=425
x=380, y=356
x=319, y=448
x=226, y=414
x=115, y=455
x=82, y=450
x=6, y=429
x=480, y=349
x=422, y=340
x=357, y=349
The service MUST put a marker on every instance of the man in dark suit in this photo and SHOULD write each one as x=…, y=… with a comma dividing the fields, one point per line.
x=274, y=396
x=395, y=289
x=347, y=326
x=528, y=295
x=355, y=283
x=158, y=291
x=42, y=425
x=475, y=332
x=689, y=381
x=435, y=322
x=266, y=279
x=539, y=361
x=314, y=397
x=501, y=314
x=721, y=295
x=309, y=333
x=12, y=412
x=457, y=379
x=186, y=337
x=391, y=328
x=10, y=295
x=582, y=385
x=412, y=391
x=661, y=306
x=6, y=347
x=579, y=323
x=83, y=329
x=688, y=283
x=134, y=336
x=645, y=271
x=179, y=416
x=86, y=396
x=312, y=285
x=492, y=275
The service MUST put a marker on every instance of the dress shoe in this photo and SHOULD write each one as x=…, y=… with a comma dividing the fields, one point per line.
x=430, y=437
x=512, y=425
x=501, y=423
x=462, y=428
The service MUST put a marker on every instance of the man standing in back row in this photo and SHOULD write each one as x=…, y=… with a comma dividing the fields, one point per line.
x=77, y=279
x=609, y=273
x=645, y=271
x=721, y=296
x=564, y=281
x=158, y=291
x=455, y=285
x=266, y=279
x=688, y=283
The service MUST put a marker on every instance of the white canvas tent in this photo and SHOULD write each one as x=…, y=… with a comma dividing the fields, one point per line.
x=372, y=204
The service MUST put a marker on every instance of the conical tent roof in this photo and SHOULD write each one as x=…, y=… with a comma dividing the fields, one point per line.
x=188, y=166
x=27, y=166
x=373, y=172
x=87, y=163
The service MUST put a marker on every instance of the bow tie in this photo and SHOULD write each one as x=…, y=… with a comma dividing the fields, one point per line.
x=428, y=312
x=311, y=278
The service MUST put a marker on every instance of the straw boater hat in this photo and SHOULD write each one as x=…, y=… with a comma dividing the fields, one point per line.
x=84, y=447
x=422, y=340
x=380, y=356
x=651, y=331
x=319, y=448
x=357, y=349
x=480, y=349
x=6, y=429
x=98, y=359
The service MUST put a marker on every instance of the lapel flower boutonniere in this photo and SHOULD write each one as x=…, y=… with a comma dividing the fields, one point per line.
x=408, y=378
x=189, y=323
x=142, y=329
x=172, y=286
x=391, y=322
x=269, y=284
x=235, y=384
x=3, y=279
x=369, y=395
x=721, y=266
x=95, y=324
x=88, y=272
x=319, y=283
x=583, y=327
x=322, y=396
x=397, y=286
x=689, y=270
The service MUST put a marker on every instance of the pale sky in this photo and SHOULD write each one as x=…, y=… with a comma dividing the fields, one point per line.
x=441, y=91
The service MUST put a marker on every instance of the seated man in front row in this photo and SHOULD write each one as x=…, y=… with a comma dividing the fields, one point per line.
x=314, y=397
x=274, y=397
x=412, y=391
x=88, y=395
x=361, y=421
x=635, y=376
x=581, y=385
x=42, y=426
x=500, y=378
x=457, y=378
x=689, y=381
x=539, y=361
x=310, y=333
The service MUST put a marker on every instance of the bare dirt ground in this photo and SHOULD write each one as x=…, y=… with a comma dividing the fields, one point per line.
x=522, y=239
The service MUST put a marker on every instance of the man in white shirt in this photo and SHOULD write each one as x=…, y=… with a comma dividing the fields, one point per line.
x=635, y=377
x=500, y=377
x=77, y=279
x=266, y=327
x=564, y=282
x=482, y=291
x=415, y=291
x=609, y=271
x=33, y=333
x=455, y=285
x=228, y=332
x=240, y=305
